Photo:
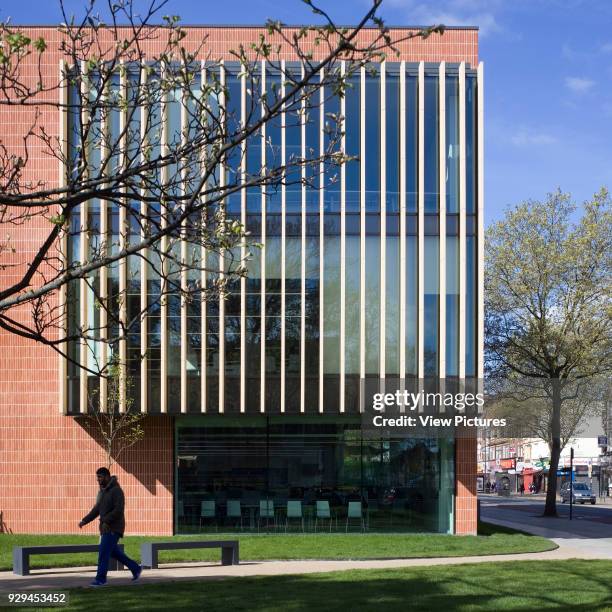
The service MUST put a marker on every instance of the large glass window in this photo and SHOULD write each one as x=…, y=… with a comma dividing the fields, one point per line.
x=411, y=305
x=92, y=228
x=318, y=190
x=253, y=329
x=412, y=139
x=312, y=281
x=353, y=243
x=293, y=152
x=273, y=319
x=471, y=143
x=392, y=303
x=372, y=144
x=352, y=320
x=372, y=305
x=331, y=314
x=73, y=307
x=312, y=314
x=332, y=142
x=212, y=334
x=452, y=306
x=312, y=149
x=253, y=145
x=352, y=126
x=452, y=144
x=331, y=272
x=431, y=144
x=173, y=298
x=273, y=142
x=293, y=285
x=471, y=306
x=232, y=305
x=233, y=119
x=392, y=140
x=246, y=473
x=431, y=305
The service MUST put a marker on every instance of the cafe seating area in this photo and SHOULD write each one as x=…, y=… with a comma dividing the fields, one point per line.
x=328, y=512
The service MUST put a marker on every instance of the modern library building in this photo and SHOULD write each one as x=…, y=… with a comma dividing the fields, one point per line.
x=254, y=399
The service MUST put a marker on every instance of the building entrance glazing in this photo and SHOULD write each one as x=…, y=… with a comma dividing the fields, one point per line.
x=273, y=474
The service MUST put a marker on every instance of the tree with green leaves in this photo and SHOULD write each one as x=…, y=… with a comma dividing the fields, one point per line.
x=548, y=300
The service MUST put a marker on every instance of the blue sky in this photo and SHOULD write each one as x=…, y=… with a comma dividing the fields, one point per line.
x=548, y=74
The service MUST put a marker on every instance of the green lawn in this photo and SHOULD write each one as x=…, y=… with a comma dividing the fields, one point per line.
x=494, y=540
x=525, y=585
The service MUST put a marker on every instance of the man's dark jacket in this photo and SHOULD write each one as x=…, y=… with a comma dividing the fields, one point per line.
x=110, y=504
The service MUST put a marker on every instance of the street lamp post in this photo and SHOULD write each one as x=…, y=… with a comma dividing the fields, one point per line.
x=571, y=481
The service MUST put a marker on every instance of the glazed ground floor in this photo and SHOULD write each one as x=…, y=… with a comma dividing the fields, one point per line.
x=238, y=473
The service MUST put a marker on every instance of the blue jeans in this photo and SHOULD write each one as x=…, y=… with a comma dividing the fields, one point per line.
x=108, y=548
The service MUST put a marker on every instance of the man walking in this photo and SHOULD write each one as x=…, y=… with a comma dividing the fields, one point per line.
x=109, y=506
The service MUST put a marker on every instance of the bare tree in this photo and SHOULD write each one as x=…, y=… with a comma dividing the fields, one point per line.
x=115, y=422
x=154, y=151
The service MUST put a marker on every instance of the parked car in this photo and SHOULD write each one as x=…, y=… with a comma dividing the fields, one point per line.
x=581, y=491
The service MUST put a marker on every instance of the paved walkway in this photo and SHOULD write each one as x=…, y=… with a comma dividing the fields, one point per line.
x=62, y=578
x=589, y=533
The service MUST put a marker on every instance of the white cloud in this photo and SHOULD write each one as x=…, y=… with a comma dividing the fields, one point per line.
x=479, y=13
x=572, y=54
x=527, y=138
x=579, y=84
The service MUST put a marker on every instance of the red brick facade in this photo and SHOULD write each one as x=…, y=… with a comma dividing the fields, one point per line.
x=465, y=487
x=47, y=460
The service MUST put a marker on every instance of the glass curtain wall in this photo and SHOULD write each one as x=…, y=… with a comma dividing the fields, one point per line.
x=412, y=164
x=312, y=280
x=392, y=206
x=91, y=223
x=252, y=358
x=372, y=209
x=471, y=302
x=352, y=104
x=452, y=211
x=293, y=247
x=331, y=256
x=294, y=232
x=297, y=474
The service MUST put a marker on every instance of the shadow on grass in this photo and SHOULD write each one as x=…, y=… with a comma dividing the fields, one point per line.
x=528, y=585
x=490, y=529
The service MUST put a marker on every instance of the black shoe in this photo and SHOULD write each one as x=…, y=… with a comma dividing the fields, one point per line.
x=136, y=574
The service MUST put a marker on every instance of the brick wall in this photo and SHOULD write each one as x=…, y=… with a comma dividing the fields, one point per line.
x=48, y=482
x=465, y=475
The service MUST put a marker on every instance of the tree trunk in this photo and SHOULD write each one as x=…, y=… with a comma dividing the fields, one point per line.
x=550, y=508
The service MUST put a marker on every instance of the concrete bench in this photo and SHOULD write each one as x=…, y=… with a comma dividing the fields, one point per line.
x=21, y=555
x=149, y=550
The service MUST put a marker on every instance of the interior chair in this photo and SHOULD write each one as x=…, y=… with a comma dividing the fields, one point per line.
x=266, y=511
x=234, y=510
x=355, y=512
x=323, y=512
x=294, y=511
x=208, y=511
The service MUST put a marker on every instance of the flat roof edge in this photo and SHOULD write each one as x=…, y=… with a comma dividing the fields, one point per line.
x=216, y=26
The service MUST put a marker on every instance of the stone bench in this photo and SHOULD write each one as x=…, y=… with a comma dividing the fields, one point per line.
x=149, y=550
x=21, y=555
